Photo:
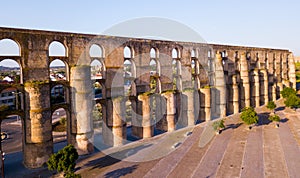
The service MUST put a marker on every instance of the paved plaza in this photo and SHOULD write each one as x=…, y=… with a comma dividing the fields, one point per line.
x=263, y=151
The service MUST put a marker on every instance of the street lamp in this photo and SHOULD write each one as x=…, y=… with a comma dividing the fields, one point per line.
x=17, y=101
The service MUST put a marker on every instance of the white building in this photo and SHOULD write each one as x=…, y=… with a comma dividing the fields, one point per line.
x=8, y=98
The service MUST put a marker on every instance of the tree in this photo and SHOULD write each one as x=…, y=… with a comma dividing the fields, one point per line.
x=292, y=101
x=271, y=105
x=249, y=116
x=97, y=112
x=286, y=92
x=64, y=161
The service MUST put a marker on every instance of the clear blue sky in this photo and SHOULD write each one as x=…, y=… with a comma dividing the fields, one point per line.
x=262, y=23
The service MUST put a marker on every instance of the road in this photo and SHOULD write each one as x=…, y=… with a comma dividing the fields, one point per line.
x=12, y=126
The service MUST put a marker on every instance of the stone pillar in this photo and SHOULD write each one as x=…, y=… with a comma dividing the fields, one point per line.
x=256, y=88
x=245, y=97
x=82, y=123
x=38, y=142
x=146, y=120
x=136, y=121
x=235, y=97
x=190, y=106
x=291, y=72
x=280, y=87
x=161, y=112
x=274, y=92
x=205, y=104
x=171, y=110
x=220, y=88
x=141, y=117
x=114, y=127
x=266, y=86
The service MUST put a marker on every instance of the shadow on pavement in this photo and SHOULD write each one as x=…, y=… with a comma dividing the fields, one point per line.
x=232, y=126
x=284, y=120
x=114, y=158
x=121, y=172
x=280, y=108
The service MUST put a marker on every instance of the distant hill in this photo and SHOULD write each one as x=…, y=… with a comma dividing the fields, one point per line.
x=3, y=68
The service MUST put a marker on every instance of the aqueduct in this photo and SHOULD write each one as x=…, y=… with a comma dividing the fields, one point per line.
x=194, y=82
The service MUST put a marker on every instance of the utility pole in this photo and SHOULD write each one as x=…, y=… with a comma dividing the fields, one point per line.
x=17, y=101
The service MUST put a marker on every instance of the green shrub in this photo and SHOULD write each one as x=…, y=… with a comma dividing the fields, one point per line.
x=249, y=116
x=274, y=118
x=292, y=101
x=62, y=121
x=64, y=161
x=286, y=92
x=218, y=125
x=271, y=105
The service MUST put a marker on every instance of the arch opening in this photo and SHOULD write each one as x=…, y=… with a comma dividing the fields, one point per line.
x=9, y=47
x=175, y=53
x=153, y=54
x=59, y=121
x=97, y=69
x=96, y=51
x=127, y=52
x=58, y=70
x=57, y=49
x=10, y=72
x=58, y=94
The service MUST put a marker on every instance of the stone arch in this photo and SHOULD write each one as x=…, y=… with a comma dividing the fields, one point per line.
x=57, y=48
x=175, y=53
x=12, y=98
x=176, y=68
x=14, y=69
x=60, y=119
x=128, y=52
x=96, y=51
x=266, y=60
x=154, y=76
x=195, y=69
x=194, y=53
x=129, y=76
x=209, y=53
x=15, y=133
x=9, y=47
x=154, y=53
x=58, y=94
x=97, y=115
x=58, y=70
x=98, y=68
x=248, y=55
x=223, y=54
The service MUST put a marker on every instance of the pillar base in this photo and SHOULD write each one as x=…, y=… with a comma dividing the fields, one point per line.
x=84, y=144
x=36, y=155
